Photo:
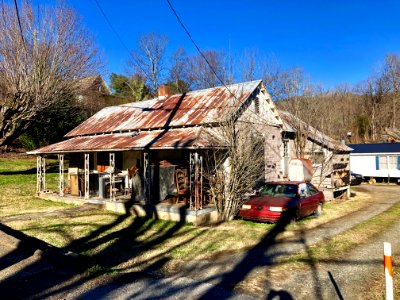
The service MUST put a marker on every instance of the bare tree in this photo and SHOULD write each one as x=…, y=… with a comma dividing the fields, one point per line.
x=234, y=170
x=40, y=60
x=374, y=91
x=205, y=75
x=391, y=73
x=255, y=65
x=249, y=63
x=299, y=96
x=148, y=58
x=179, y=72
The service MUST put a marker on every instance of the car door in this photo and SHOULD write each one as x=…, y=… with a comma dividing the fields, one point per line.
x=305, y=201
x=314, y=198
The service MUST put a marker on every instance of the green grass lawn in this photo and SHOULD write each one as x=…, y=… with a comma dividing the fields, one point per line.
x=18, y=187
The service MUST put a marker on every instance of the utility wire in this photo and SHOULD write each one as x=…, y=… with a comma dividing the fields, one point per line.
x=117, y=35
x=112, y=27
x=198, y=49
x=205, y=58
x=187, y=32
x=19, y=22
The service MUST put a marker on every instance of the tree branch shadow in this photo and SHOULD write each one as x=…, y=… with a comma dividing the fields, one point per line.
x=116, y=247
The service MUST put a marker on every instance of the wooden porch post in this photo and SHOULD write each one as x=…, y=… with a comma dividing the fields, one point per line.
x=39, y=174
x=191, y=181
x=201, y=181
x=112, y=176
x=196, y=181
x=147, y=176
x=86, y=175
x=61, y=174
x=44, y=174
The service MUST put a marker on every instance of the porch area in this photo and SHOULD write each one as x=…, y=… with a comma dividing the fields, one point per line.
x=176, y=212
x=164, y=184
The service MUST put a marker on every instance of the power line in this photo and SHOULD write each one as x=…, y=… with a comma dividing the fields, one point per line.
x=205, y=58
x=118, y=36
x=198, y=49
x=19, y=22
x=111, y=26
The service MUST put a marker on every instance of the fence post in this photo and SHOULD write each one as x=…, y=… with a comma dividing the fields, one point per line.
x=387, y=261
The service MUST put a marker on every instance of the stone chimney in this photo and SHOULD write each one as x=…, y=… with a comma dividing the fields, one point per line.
x=164, y=92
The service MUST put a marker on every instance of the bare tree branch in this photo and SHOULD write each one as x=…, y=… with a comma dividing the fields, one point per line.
x=45, y=70
x=148, y=59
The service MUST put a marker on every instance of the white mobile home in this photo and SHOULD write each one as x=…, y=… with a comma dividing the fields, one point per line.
x=376, y=160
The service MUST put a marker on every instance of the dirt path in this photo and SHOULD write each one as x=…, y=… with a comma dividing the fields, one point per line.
x=69, y=212
x=249, y=271
x=346, y=277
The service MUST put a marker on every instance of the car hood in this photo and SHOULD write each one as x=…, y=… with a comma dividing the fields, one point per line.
x=271, y=201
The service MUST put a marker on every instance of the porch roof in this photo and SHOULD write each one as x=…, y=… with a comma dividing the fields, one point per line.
x=183, y=138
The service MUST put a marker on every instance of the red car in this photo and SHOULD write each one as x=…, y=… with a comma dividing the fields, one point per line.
x=295, y=199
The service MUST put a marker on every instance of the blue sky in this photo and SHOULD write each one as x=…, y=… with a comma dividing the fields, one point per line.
x=334, y=41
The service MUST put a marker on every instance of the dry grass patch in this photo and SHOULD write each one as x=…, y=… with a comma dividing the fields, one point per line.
x=60, y=231
x=339, y=245
x=376, y=289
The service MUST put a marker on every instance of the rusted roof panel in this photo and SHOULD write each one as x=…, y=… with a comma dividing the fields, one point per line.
x=184, y=138
x=190, y=109
x=290, y=122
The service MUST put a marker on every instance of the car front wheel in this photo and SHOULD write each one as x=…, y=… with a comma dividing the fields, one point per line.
x=318, y=211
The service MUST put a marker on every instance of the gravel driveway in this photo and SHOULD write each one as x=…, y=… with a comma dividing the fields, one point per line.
x=316, y=283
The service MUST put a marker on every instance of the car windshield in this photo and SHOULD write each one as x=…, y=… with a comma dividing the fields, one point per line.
x=279, y=190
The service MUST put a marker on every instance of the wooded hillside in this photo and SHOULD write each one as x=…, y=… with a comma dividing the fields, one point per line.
x=369, y=112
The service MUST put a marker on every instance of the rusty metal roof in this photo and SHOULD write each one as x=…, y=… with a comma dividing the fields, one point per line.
x=183, y=138
x=290, y=122
x=190, y=109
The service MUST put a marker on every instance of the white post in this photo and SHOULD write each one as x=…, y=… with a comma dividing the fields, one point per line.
x=191, y=181
x=44, y=174
x=39, y=174
x=112, y=176
x=387, y=261
x=147, y=176
x=61, y=174
x=87, y=166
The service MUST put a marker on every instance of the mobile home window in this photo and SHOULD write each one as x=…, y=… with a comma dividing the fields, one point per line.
x=386, y=162
x=392, y=162
x=383, y=162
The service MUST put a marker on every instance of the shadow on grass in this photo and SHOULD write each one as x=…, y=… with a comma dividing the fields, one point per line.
x=51, y=168
x=111, y=248
x=117, y=248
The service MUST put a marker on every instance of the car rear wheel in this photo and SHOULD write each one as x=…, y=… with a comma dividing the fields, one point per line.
x=318, y=211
